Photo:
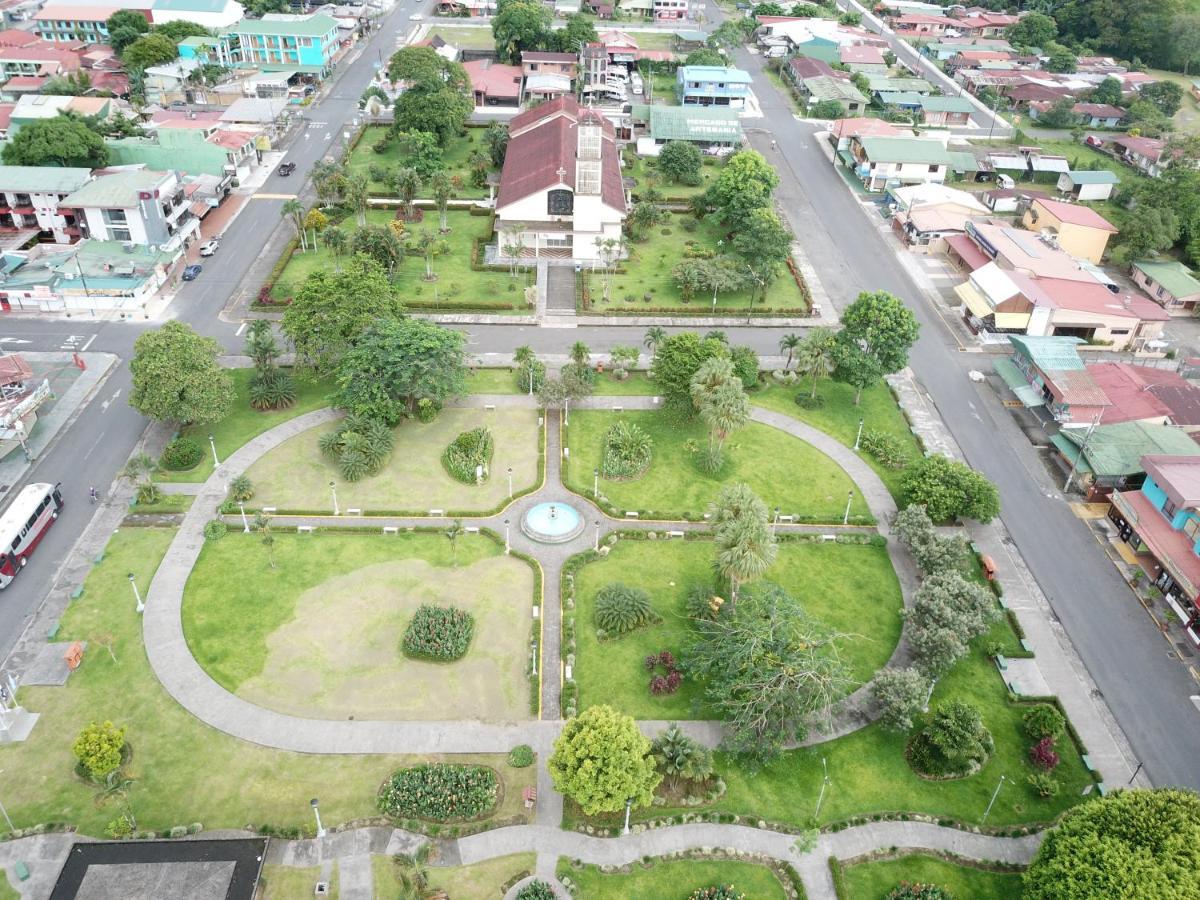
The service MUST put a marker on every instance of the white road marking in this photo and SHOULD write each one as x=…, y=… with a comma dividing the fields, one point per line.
x=88, y=344
x=241, y=328
x=93, y=447
x=8, y=340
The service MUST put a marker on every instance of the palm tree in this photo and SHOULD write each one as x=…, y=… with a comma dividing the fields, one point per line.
x=580, y=354
x=789, y=342
x=337, y=241
x=261, y=345
x=745, y=550
x=412, y=874
x=655, y=335
x=430, y=246
x=407, y=182
x=263, y=524
x=708, y=378
x=725, y=411
x=293, y=209
x=816, y=356
x=453, y=533
x=442, y=189
x=358, y=195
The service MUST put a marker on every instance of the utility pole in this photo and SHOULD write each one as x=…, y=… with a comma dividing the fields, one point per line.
x=1082, y=447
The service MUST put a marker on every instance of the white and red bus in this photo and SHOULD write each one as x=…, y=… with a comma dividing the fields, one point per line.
x=23, y=524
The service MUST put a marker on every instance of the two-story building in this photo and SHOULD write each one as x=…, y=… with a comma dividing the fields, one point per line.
x=71, y=23
x=32, y=197
x=1169, y=283
x=823, y=88
x=209, y=13
x=882, y=162
x=302, y=44
x=547, y=74
x=135, y=206
x=1161, y=522
x=712, y=86
x=1079, y=230
x=35, y=60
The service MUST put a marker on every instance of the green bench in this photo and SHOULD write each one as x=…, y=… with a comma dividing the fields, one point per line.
x=21, y=870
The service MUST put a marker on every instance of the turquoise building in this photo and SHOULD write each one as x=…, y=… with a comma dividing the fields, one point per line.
x=302, y=45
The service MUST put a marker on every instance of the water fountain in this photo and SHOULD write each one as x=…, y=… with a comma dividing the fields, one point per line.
x=552, y=523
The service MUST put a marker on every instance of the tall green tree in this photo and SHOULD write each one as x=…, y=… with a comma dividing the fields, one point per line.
x=1060, y=58
x=601, y=760
x=884, y=326
x=442, y=189
x=380, y=244
x=332, y=309
x=407, y=182
x=817, y=356
x=176, y=376
x=949, y=489
x=180, y=29
x=440, y=109
x=766, y=667
x=496, y=141
x=680, y=161
x=422, y=153
x=1032, y=30
x=1166, y=95
x=763, y=239
x=789, y=342
x=742, y=537
x=425, y=67
x=1143, y=843
x=150, y=50
x=676, y=359
x=124, y=27
x=60, y=141
x=745, y=184
x=520, y=25
x=580, y=31
x=1108, y=91
x=395, y=364
x=1149, y=228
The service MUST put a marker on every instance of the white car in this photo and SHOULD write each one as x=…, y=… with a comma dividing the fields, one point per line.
x=416, y=17
x=210, y=247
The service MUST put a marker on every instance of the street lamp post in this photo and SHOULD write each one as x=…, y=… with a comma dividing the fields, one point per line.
x=507, y=545
x=995, y=793
x=846, y=515
x=245, y=521
x=775, y=523
x=824, y=784
x=858, y=437
x=317, y=813
x=333, y=490
x=628, y=807
x=595, y=484
x=213, y=443
x=596, y=545
x=510, y=492
x=137, y=595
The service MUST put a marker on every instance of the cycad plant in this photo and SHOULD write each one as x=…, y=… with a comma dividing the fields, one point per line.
x=359, y=445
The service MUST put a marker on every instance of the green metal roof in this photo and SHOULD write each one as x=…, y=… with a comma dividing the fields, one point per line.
x=963, y=161
x=307, y=26
x=1172, y=275
x=116, y=190
x=1015, y=379
x=1050, y=354
x=39, y=179
x=904, y=150
x=695, y=123
x=1103, y=176
x=691, y=36
x=1117, y=450
x=900, y=98
x=822, y=87
x=946, y=104
x=887, y=83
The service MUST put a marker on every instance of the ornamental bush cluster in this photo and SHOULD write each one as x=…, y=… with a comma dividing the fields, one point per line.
x=439, y=792
x=466, y=452
x=621, y=609
x=916, y=890
x=98, y=748
x=359, y=445
x=536, y=890
x=717, y=892
x=438, y=633
x=182, y=453
x=954, y=743
x=626, y=451
x=887, y=449
x=667, y=682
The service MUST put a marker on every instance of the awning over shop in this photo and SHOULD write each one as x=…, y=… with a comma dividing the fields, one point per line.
x=1015, y=379
x=848, y=158
x=975, y=301
x=1070, y=452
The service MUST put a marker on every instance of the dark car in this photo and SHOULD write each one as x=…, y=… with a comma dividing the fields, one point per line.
x=191, y=273
x=287, y=168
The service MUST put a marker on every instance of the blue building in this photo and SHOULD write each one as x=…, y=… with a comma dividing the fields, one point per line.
x=1161, y=522
x=302, y=45
x=712, y=86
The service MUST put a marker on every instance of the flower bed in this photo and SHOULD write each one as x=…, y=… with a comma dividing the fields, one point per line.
x=467, y=453
x=438, y=633
x=440, y=792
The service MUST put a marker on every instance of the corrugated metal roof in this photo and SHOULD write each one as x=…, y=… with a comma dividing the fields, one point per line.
x=37, y=179
x=116, y=190
x=1050, y=354
x=1117, y=450
x=1172, y=275
x=695, y=123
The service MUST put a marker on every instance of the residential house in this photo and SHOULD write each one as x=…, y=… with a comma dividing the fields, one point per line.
x=882, y=162
x=800, y=67
x=1160, y=521
x=209, y=13
x=138, y=206
x=670, y=10
x=494, y=84
x=1169, y=283
x=1099, y=115
x=944, y=51
x=1079, y=230
x=712, y=86
x=85, y=277
x=302, y=44
x=820, y=48
x=983, y=23
x=1006, y=200
x=540, y=62
x=201, y=146
x=37, y=59
x=705, y=126
x=1048, y=372
x=1143, y=153
x=843, y=130
x=863, y=58
x=270, y=114
x=1021, y=94
x=918, y=25
x=1147, y=394
x=69, y=23
x=1112, y=459
x=561, y=190
x=823, y=88
x=34, y=108
x=883, y=84
x=930, y=109
x=32, y=196
x=167, y=83
x=1085, y=185
x=924, y=214
x=16, y=37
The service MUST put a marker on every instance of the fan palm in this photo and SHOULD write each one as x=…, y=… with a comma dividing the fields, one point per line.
x=817, y=355
x=726, y=411
x=407, y=182
x=745, y=550
x=654, y=336
x=789, y=342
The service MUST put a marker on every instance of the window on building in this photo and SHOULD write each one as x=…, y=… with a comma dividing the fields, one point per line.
x=1158, y=291
x=560, y=202
x=1118, y=331
x=933, y=168
x=1168, y=508
x=119, y=234
x=1191, y=527
x=114, y=217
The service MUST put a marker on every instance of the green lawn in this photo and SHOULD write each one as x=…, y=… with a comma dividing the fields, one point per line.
x=363, y=157
x=645, y=170
x=665, y=880
x=850, y=587
x=479, y=880
x=295, y=475
x=167, y=503
x=638, y=384
x=457, y=285
x=492, y=381
x=464, y=36
x=313, y=639
x=291, y=883
x=783, y=470
x=184, y=771
x=245, y=422
x=873, y=880
x=648, y=272
x=838, y=416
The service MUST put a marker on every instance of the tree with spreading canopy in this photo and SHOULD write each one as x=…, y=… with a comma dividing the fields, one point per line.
x=180, y=29
x=680, y=162
x=1032, y=30
x=676, y=359
x=1108, y=91
x=705, y=56
x=1166, y=95
x=950, y=490
x=380, y=244
x=745, y=184
x=176, y=376
x=601, y=761
x=124, y=27
x=150, y=50
x=900, y=694
x=520, y=25
x=59, y=141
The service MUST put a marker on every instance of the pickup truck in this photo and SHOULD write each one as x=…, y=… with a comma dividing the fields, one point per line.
x=287, y=168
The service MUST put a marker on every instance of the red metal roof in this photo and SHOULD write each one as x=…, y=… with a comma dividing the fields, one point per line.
x=968, y=250
x=864, y=127
x=15, y=37
x=1100, y=110
x=493, y=79
x=1143, y=392
x=1151, y=148
x=1075, y=214
x=1167, y=544
x=1179, y=476
x=807, y=67
x=861, y=54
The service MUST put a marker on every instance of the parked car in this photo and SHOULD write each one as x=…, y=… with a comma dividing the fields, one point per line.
x=416, y=17
x=209, y=247
x=287, y=169
x=191, y=273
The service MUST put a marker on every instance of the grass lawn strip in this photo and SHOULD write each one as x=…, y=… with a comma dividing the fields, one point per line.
x=648, y=272
x=783, y=470
x=481, y=879
x=290, y=883
x=455, y=156
x=838, y=417
x=849, y=587
x=873, y=880
x=638, y=168
x=244, y=422
x=320, y=635
x=184, y=771
x=295, y=476
x=676, y=879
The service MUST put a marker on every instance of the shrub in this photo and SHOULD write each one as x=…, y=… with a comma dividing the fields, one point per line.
x=621, y=609
x=717, y=892
x=1043, y=755
x=98, y=748
x=954, y=743
x=702, y=602
x=745, y=366
x=710, y=460
x=466, y=452
x=1044, y=784
x=148, y=493
x=536, y=890
x=272, y=389
x=215, y=529
x=1043, y=721
x=887, y=449
x=428, y=409
x=626, y=451
x=520, y=756
x=438, y=633
x=241, y=489
x=915, y=890
x=182, y=453
x=439, y=792
x=359, y=445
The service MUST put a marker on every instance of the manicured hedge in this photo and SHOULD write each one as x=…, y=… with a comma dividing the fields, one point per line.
x=438, y=633
x=468, y=450
x=440, y=792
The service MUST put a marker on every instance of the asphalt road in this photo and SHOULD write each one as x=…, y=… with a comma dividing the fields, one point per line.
x=1126, y=656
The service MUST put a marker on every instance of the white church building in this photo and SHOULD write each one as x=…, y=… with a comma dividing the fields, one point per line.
x=561, y=192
